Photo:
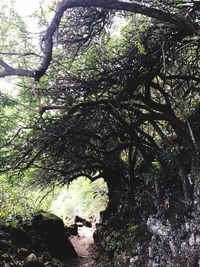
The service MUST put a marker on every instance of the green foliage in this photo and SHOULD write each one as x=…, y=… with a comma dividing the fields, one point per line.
x=150, y=176
x=133, y=228
x=168, y=157
x=21, y=199
x=166, y=162
x=82, y=197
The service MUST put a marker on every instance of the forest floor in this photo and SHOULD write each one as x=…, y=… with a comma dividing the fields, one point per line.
x=85, y=248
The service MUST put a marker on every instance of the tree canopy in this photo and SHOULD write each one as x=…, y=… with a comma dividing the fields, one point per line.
x=95, y=101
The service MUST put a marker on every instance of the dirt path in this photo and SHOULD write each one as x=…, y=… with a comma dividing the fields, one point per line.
x=84, y=242
x=84, y=246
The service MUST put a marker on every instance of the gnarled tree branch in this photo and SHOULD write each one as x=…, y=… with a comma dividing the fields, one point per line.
x=181, y=24
x=10, y=71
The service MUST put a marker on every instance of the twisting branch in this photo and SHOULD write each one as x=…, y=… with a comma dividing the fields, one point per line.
x=181, y=24
x=9, y=71
x=20, y=54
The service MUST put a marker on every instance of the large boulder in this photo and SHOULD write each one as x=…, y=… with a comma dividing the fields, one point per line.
x=52, y=229
x=83, y=221
x=71, y=230
x=20, y=236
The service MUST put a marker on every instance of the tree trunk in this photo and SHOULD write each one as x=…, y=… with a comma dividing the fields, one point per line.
x=118, y=192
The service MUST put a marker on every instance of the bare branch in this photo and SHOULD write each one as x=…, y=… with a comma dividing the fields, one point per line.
x=20, y=54
x=9, y=71
x=182, y=24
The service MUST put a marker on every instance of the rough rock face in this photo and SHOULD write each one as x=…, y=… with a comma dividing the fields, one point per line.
x=124, y=241
x=176, y=244
x=154, y=240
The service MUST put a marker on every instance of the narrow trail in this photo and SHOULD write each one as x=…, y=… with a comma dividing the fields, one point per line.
x=84, y=246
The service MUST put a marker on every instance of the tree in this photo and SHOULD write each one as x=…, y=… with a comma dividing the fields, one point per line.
x=106, y=110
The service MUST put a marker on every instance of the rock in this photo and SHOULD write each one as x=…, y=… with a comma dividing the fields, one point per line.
x=79, y=224
x=4, y=245
x=53, y=231
x=20, y=237
x=155, y=226
x=81, y=220
x=34, y=263
x=5, y=257
x=48, y=263
x=71, y=230
x=173, y=248
x=31, y=257
x=23, y=251
x=88, y=224
x=56, y=262
x=134, y=259
x=197, y=238
x=192, y=240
